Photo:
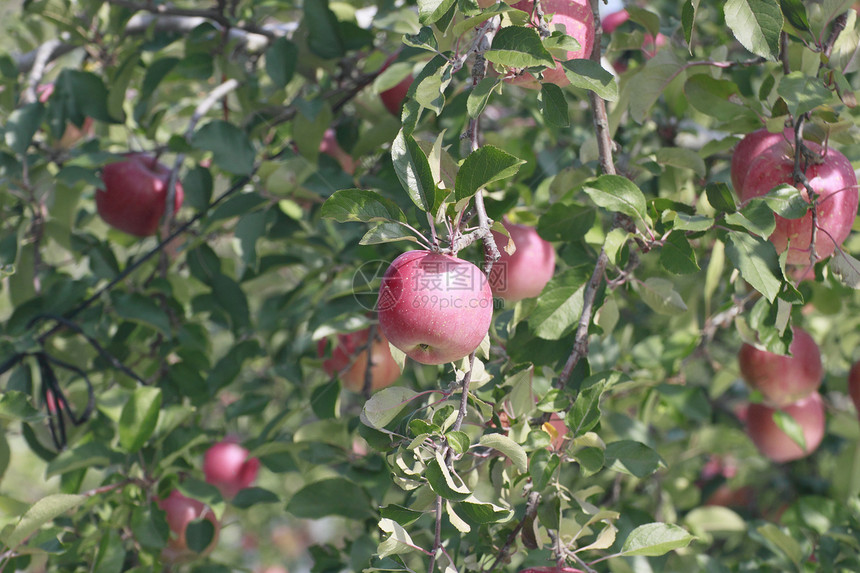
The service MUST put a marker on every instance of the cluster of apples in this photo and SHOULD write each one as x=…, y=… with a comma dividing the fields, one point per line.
x=763, y=160
x=226, y=465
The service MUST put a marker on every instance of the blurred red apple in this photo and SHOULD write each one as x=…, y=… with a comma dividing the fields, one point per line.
x=351, y=352
x=783, y=379
x=434, y=307
x=525, y=273
x=135, y=193
x=392, y=98
x=180, y=512
x=331, y=147
x=227, y=466
x=776, y=444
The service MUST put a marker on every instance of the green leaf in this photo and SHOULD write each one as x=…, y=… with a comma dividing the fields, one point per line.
x=654, y=539
x=43, y=511
x=688, y=21
x=231, y=149
x=554, y=105
x=385, y=406
x=360, y=205
x=80, y=94
x=484, y=513
x=443, y=482
x=757, y=261
x=15, y=406
x=482, y=167
x=846, y=268
x=787, y=202
x=424, y=39
x=519, y=47
x=281, y=60
x=430, y=11
x=791, y=427
x=560, y=304
x=121, y=77
x=718, y=98
x=150, y=533
x=323, y=30
x=795, y=12
x=480, y=95
x=387, y=233
x=756, y=24
x=332, y=496
x=803, y=93
x=618, y=194
x=682, y=159
x=584, y=414
x=137, y=307
x=199, y=533
x=782, y=543
x=650, y=83
x=661, y=296
x=400, y=514
x=459, y=441
x=720, y=197
x=508, y=447
x=566, y=222
x=232, y=299
x=590, y=75
x=88, y=455
x=755, y=217
x=22, y=124
x=251, y=496
x=677, y=256
x=413, y=171
x=542, y=466
x=632, y=457
x=139, y=418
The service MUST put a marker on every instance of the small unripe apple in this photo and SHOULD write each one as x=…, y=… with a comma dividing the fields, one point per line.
x=574, y=18
x=351, y=351
x=436, y=308
x=783, y=379
x=180, y=512
x=835, y=184
x=134, y=196
x=854, y=385
x=776, y=444
x=525, y=273
x=227, y=466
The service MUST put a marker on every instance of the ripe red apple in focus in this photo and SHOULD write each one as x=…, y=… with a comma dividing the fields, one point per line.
x=773, y=442
x=783, y=379
x=330, y=146
x=525, y=273
x=750, y=147
x=227, y=466
x=854, y=385
x=134, y=195
x=436, y=308
x=833, y=180
x=574, y=18
x=351, y=351
x=181, y=511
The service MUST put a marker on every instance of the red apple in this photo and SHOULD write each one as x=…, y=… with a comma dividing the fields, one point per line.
x=330, y=146
x=73, y=133
x=773, y=442
x=134, y=195
x=436, y=308
x=650, y=44
x=833, y=181
x=751, y=146
x=525, y=273
x=227, y=466
x=854, y=385
x=181, y=511
x=574, y=18
x=611, y=21
x=351, y=353
x=392, y=98
x=783, y=379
